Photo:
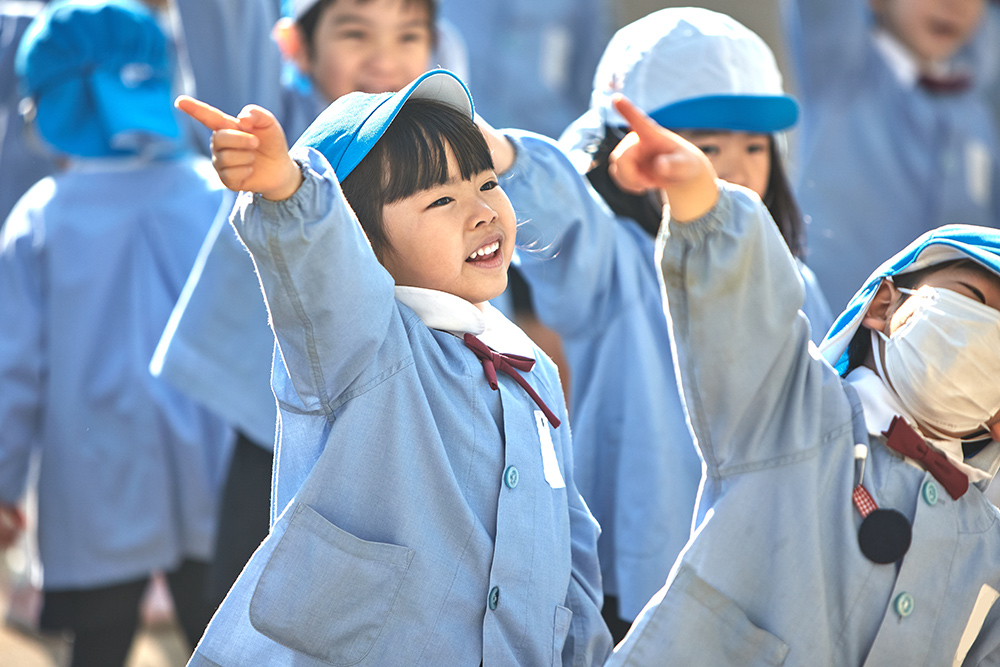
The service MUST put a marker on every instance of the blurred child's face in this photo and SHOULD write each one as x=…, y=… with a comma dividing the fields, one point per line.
x=933, y=30
x=457, y=237
x=738, y=157
x=372, y=46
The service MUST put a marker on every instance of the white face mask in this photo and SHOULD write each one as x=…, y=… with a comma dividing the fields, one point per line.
x=944, y=361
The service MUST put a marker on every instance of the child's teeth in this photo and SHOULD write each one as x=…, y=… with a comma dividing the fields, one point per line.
x=486, y=250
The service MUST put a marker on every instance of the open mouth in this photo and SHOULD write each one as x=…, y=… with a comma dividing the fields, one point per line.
x=488, y=253
x=943, y=29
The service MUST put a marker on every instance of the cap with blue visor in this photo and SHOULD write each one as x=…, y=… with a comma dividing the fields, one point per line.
x=951, y=242
x=348, y=129
x=688, y=68
x=99, y=75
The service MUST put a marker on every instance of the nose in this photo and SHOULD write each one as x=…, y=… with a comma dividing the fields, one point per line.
x=482, y=213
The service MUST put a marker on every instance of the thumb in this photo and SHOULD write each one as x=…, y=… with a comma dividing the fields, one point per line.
x=261, y=123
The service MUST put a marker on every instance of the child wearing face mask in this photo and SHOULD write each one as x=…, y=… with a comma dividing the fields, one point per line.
x=897, y=136
x=425, y=507
x=594, y=278
x=847, y=521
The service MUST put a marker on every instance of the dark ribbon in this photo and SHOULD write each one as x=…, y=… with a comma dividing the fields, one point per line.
x=945, y=85
x=510, y=364
x=902, y=438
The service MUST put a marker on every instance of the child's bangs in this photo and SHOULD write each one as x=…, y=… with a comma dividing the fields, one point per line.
x=416, y=148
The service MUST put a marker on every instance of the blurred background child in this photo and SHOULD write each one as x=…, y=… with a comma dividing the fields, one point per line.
x=896, y=136
x=91, y=263
x=595, y=279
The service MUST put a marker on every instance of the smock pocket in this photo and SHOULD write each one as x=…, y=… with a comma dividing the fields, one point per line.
x=325, y=592
x=564, y=616
x=695, y=624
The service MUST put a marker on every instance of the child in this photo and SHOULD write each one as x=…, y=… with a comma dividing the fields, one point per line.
x=636, y=465
x=91, y=263
x=823, y=545
x=423, y=518
x=218, y=346
x=896, y=138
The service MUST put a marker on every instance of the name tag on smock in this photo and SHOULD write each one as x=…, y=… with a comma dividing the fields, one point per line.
x=550, y=464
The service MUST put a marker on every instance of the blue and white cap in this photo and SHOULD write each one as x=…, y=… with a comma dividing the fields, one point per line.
x=99, y=75
x=688, y=68
x=951, y=242
x=347, y=129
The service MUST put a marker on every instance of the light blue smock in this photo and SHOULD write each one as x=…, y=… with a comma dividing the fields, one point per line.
x=593, y=280
x=879, y=163
x=23, y=162
x=402, y=536
x=773, y=574
x=531, y=64
x=91, y=263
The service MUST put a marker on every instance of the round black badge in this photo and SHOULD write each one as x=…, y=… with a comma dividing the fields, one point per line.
x=884, y=536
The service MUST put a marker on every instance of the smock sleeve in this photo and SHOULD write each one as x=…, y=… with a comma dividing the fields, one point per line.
x=753, y=385
x=566, y=234
x=21, y=348
x=826, y=40
x=328, y=298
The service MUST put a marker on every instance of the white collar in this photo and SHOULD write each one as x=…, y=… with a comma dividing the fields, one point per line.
x=881, y=405
x=899, y=58
x=454, y=315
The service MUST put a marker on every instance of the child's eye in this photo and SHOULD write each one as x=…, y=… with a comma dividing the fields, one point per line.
x=709, y=149
x=352, y=35
x=443, y=201
x=757, y=148
x=489, y=185
x=411, y=37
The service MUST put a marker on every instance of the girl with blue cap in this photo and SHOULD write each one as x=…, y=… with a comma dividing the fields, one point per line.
x=422, y=513
x=595, y=282
x=846, y=520
x=92, y=260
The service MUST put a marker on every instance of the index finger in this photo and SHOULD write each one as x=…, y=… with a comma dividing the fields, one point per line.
x=640, y=123
x=206, y=114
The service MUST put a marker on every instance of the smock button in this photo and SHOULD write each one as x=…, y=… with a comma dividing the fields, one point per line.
x=494, y=599
x=904, y=604
x=510, y=477
x=930, y=492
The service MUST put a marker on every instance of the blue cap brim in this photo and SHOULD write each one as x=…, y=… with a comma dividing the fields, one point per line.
x=762, y=114
x=346, y=131
x=951, y=242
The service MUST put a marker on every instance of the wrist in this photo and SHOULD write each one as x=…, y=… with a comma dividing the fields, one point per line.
x=290, y=182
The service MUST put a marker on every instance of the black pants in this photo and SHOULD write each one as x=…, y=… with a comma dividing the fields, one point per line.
x=244, y=514
x=104, y=620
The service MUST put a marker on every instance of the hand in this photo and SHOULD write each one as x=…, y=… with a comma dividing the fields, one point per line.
x=500, y=146
x=249, y=152
x=652, y=157
x=11, y=525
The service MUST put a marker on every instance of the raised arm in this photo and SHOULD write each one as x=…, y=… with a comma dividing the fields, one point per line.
x=750, y=384
x=328, y=298
x=827, y=41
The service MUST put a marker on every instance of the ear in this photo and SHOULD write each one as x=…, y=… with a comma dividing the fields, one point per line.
x=288, y=36
x=879, y=310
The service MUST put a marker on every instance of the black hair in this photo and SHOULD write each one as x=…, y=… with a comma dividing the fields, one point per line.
x=412, y=156
x=307, y=22
x=647, y=209
x=861, y=343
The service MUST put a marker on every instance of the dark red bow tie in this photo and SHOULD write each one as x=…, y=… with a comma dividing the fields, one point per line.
x=945, y=85
x=902, y=438
x=510, y=364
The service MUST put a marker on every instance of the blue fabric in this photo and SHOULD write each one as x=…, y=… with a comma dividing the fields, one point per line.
x=350, y=126
x=593, y=280
x=129, y=469
x=774, y=574
x=746, y=113
x=945, y=243
x=21, y=163
x=879, y=163
x=392, y=523
x=99, y=74
x=531, y=64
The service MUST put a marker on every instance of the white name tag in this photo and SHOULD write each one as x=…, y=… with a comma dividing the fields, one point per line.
x=550, y=464
x=987, y=596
